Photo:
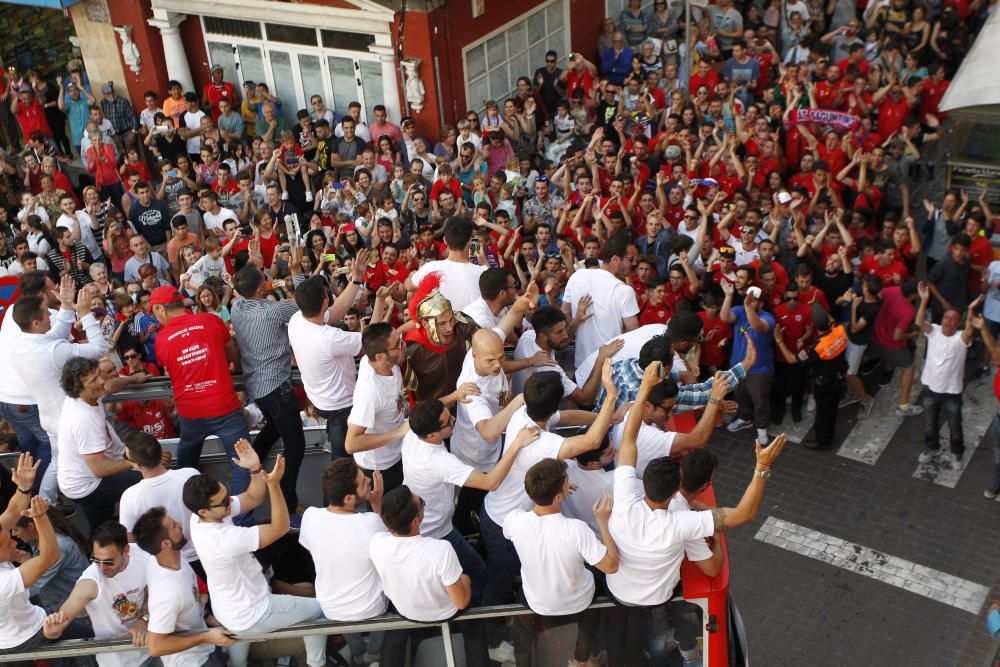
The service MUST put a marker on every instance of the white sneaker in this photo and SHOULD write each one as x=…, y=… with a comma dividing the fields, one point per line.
x=503, y=653
x=927, y=455
x=848, y=399
x=738, y=425
x=309, y=195
x=956, y=462
x=810, y=404
x=909, y=410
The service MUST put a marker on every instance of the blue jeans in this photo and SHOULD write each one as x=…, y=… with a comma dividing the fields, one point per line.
x=283, y=611
x=281, y=410
x=229, y=429
x=938, y=408
x=31, y=437
x=336, y=430
x=471, y=562
x=503, y=566
x=356, y=642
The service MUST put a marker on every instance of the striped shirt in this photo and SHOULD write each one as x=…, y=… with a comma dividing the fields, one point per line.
x=627, y=376
x=261, y=330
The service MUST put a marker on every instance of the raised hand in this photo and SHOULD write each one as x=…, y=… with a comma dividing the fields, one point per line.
x=767, y=455
x=246, y=457
x=278, y=471
x=23, y=475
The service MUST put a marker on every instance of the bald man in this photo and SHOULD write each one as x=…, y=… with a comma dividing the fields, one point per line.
x=483, y=417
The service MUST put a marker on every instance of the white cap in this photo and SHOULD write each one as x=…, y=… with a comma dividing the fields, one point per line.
x=784, y=197
x=754, y=292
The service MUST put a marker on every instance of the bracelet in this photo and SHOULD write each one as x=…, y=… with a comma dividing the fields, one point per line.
x=359, y=283
x=258, y=470
x=715, y=401
x=27, y=493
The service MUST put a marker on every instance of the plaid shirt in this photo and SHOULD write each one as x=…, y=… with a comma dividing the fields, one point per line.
x=627, y=376
x=120, y=113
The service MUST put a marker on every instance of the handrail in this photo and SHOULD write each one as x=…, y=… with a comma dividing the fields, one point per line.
x=77, y=647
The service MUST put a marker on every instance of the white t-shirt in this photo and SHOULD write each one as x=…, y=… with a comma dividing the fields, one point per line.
x=481, y=314
x=466, y=442
x=325, y=357
x=459, y=280
x=650, y=543
x=634, y=340
x=217, y=221
x=415, y=573
x=347, y=586
x=236, y=582
x=164, y=491
x=192, y=121
x=20, y=619
x=590, y=484
x=510, y=495
x=83, y=430
x=695, y=550
x=613, y=301
x=944, y=365
x=526, y=348
x=174, y=606
x=118, y=606
x=432, y=472
x=378, y=407
x=652, y=443
x=553, y=550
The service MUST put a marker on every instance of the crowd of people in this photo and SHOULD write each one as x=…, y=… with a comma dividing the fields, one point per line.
x=621, y=242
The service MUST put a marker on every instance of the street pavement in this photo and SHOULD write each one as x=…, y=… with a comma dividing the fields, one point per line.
x=861, y=556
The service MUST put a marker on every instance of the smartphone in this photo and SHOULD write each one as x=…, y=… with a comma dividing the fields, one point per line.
x=474, y=248
x=172, y=173
x=338, y=186
x=330, y=257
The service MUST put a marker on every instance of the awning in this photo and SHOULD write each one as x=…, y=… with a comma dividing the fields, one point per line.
x=48, y=4
x=977, y=83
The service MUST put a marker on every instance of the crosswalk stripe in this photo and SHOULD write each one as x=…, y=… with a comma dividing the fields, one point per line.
x=978, y=408
x=930, y=583
x=869, y=437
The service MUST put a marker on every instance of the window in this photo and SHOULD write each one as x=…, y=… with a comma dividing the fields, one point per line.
x=232, y=27
x=494, y=63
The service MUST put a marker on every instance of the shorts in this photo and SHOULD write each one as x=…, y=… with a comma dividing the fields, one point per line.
x=897, y=358
x=854, y=355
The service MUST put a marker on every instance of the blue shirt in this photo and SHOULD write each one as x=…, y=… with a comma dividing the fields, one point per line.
x=615, y=69
x=763, y=341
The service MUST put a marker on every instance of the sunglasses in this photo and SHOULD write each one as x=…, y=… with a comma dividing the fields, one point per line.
x=791, y=297
x=550, y=61
x=131, y=356
x=107, y=562
x=225, y=502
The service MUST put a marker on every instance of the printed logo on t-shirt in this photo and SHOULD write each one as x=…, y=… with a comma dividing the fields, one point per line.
x=125, y=608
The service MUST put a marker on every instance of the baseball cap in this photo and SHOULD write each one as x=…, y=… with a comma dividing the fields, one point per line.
x=821, y=319
x=70, y=84
x=107, y=88
x=673, y=152
x=164, y=295
x=784, y=197
x=24, y=88
x=216, y=68
x=727, y=251
x=754, y=292
x=349, y=227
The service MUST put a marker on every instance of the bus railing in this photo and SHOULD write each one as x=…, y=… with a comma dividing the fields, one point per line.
x=80, y=647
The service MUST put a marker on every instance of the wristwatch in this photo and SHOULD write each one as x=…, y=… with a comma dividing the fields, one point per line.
x=359, y=283
x=763, y=474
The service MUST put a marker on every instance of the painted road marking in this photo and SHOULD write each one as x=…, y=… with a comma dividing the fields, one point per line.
x=978, y=408
x=955, y=591
x=869, y=437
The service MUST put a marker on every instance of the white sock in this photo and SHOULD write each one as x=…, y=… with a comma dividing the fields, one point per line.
x=763, y=437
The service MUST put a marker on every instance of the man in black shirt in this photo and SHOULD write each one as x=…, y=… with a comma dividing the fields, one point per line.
x=150, y=217
x=550, y=88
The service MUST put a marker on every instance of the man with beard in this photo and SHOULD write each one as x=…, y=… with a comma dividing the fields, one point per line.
x=172, y=597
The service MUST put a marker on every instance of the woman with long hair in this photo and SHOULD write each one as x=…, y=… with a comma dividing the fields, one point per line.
x=40, y=239
x=387, y=155
x=58, y=581
x=207, y=301
x=116, y=248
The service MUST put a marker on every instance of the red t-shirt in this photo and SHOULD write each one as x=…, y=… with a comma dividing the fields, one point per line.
x=651, y=314
x=896, y=313
x=930, y=99
x=717, y=334
x=439, y=186
x=980, y=253
x=191, y=347
x=813, y=294
x=780, y=275
x=216, y=93
x=152, y=418
x=31, y=117
x=794, y=324
x=891, y=115
x=870, y=266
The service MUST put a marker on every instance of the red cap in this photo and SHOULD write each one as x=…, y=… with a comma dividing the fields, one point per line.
x=161, y=296
x=349, y=227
